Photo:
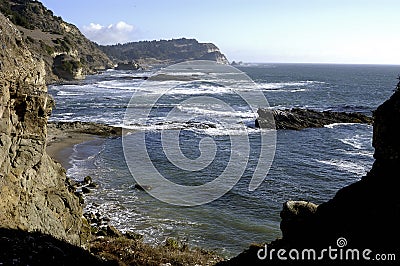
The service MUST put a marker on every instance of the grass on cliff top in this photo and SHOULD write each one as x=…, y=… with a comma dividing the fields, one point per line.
x=134, y=252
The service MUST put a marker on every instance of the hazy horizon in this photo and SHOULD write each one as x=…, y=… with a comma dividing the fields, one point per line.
x=288, y=31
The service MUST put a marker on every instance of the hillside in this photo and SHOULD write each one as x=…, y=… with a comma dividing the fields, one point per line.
x=66, y=52
x=164, y=51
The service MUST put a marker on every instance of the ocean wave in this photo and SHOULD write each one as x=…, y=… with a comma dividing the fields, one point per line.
x=228, y=131
x=223, y=113
x=363, y=153
x=118, y=85
x=299, y=90
x=347, y=166
x=69, y=93
x=288, y=85
x=334, y=125
x=207, y=128
x=356, y=142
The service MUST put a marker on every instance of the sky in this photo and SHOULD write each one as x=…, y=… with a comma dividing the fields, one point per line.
x=287, y=31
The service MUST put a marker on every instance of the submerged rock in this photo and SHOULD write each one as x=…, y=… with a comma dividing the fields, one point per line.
x=86, y=190
x=87, y=180
x=142, y=187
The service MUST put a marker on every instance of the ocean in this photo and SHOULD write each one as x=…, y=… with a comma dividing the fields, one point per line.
x=311, y=164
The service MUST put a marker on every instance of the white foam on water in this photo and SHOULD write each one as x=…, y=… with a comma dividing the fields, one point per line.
x=69, y=93
x=132, y=85
x=239, y=131
x=299, y=90
x=364, y=153
x=220, y=113
x=355, y=142
x=287, y=86
x=344, y=165
x=333, y=125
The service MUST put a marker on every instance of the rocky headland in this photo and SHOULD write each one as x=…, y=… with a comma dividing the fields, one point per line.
x=297, y=119
x=163, y=52
x=66, y=52
x=69, y=55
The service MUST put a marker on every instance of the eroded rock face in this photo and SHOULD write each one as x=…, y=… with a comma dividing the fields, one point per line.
x=33, y=194
x=67, y=54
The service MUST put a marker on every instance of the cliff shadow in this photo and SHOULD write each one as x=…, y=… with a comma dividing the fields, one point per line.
x=19, y=247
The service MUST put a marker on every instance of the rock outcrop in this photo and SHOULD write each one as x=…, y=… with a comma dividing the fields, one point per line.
x=363, y=215
x=298, y=119
x=67, y=54
x=33, y=191
x=164, y=52
x=86, y=128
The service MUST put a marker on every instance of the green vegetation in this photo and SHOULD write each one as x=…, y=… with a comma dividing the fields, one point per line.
x=15, y=15
x=126, y=251
x=49, y=50
x=176, y=49
x=71, y=66
x=64, y=44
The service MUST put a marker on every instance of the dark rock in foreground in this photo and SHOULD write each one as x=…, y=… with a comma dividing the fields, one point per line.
x=298, y=119
x=362, y=216
x=23, y=248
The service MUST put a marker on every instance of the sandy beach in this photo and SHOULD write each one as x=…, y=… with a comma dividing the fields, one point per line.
x=62, y=137
x=60, y=145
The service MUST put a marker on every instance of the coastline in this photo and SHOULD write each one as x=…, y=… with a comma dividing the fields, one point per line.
x=63, y=136
x=60, y=145
x=106, y=241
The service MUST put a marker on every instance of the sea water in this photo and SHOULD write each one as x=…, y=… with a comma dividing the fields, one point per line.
x=310, y=164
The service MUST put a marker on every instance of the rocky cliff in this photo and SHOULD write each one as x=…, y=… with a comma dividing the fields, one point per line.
x=363, y=215
x=164, y=51
x=33, y=191
x=67, y=54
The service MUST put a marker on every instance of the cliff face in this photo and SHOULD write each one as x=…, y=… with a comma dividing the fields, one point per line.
x=66, y=52
x=33, y=191
x=164, y=51
x=365, y=213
